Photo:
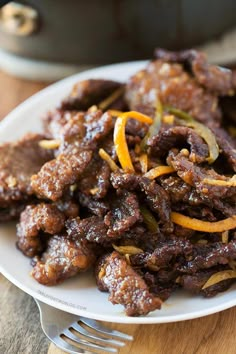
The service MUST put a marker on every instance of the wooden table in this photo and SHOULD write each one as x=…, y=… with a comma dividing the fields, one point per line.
x=20, y=331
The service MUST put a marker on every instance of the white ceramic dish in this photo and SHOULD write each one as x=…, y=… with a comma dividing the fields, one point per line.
x=79, y=295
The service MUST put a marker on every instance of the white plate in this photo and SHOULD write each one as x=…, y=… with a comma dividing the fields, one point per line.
x=79, y=295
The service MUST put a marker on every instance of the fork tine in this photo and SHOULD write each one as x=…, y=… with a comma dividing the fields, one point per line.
x=89, y=334
x=62, y=344
x=95, y=325
x=78, y=340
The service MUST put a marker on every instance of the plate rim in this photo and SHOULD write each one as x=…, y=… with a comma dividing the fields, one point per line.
x=9, y=119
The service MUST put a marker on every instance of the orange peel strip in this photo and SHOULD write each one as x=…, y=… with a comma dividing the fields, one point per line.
x=159, y=171
x=105, y=156
x=219, y=182
x=205, y=226
x=120, y=139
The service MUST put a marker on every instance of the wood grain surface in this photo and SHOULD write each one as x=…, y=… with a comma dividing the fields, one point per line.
x=20, y=331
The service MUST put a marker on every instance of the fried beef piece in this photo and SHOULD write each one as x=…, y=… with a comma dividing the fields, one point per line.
x=165, y=252
x=124, y=213
x=227, y=146
x=95, y=179
x=185, y=198
x=140, y=237
x=96, y=207
x=124, y=180
x=162, y=289
x=35, y=221
x=210, y=255
x=85, y=130
x=195, y=175
x=58, y=174
x=179, y=136
x=158, y=201
x=79, y=139
x=92, y=229
x=87, y=93
x=155, y=196
x=195, y=282
x=179, y=191
x=125, y=286
x=217, y=288
x=19, y=161
x=65, y=257
x=54, y=122
x=68, y=207
x=214, y=78
x=174, y=87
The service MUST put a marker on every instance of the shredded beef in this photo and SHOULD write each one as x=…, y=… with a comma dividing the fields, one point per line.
x=36, y=220
x=161, y=289
x=18, y=162
x=210, y=255
x=164, y=253
x=95, y=206
x=92, y=229
x=64, y=258
x=174, y=87
x=87, y=93
x=54, y=122
x=124, y=213
x=194, y=175
x=178, y=136
x=156, y=197
x=56, y=175
x=125, y=286
x=214, y=78
x=95, y=179
x=227, y=146
x=158, y=201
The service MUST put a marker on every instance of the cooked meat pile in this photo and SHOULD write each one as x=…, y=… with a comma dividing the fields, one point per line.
x=134, y=180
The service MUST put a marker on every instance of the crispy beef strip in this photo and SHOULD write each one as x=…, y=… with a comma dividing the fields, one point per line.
x=92, y=229
x=68, y=207
x=87, y=93
x=58, y=174
x=214, y=78
x=162, y=289
x=95, y=179
x=95, y=206
x=54, y=122
x=124, y=213
x=179, y=136
x=158, y=201
x=35, y=221
x=125, y=286
x=80, y=137
x=174, y=87
x=155, y=196
x=18, y=162
x=210, y=255
x=227, y=146
x=184, y=197
x=194, y=175
x=140, y=237
x=65, y=257
x=195, y=282
x=165, y=252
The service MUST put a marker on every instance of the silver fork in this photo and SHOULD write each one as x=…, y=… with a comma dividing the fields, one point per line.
x=58, y=326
